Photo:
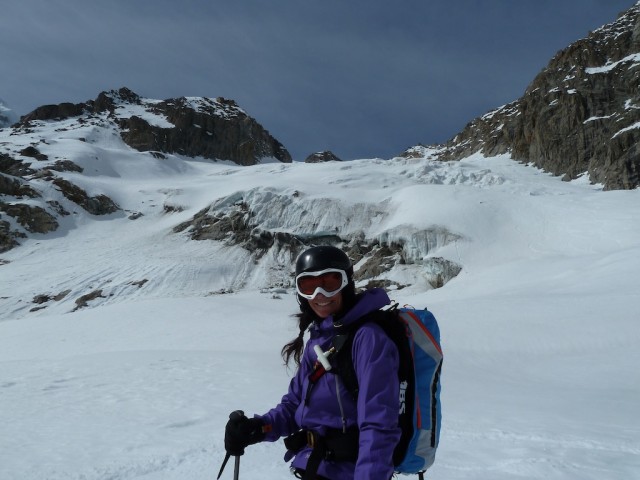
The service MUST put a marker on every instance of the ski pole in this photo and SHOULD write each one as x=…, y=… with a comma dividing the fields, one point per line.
x=236, y=470
x=224, y=464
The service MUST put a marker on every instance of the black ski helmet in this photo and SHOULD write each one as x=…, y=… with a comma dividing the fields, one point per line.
x=322, y=257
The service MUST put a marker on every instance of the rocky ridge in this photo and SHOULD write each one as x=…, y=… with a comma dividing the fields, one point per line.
x=580, y=115
x=216, y=129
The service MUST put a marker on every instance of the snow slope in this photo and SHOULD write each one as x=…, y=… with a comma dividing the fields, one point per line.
x=539, y=329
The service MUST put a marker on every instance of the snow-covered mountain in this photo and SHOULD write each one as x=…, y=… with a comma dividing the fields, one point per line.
x=48, y=158
x=7, y=116
x=192, y=126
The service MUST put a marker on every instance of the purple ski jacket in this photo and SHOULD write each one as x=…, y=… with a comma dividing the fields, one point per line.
x=375, y=412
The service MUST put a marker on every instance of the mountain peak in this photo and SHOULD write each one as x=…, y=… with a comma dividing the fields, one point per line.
x=216, y=129
x=218, y=107
x=580, y=114
x=324, y=156
x=122, y=95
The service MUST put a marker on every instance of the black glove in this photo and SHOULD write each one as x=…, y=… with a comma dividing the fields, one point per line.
x=241, y=432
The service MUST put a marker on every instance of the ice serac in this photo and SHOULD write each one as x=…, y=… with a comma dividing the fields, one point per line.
x=274, y=227
x=581, y=114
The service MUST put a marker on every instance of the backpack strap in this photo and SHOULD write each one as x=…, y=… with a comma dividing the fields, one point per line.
x=343, y=344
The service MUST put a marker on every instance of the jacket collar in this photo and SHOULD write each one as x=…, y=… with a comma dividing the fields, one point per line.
x=366, y=302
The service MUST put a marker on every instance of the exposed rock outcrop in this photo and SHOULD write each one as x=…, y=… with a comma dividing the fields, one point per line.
x=97, y=205
x=55, y=112
x=17, y=168
x=8, y=237
x=319, y=157
x=13, y=187
x=33, y=218
x=215, y=129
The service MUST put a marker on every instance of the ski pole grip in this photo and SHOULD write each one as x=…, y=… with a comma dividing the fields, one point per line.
x=322, y=357
x=237, y=415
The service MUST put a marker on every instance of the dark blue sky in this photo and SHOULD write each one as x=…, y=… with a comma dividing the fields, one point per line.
x=361, y=78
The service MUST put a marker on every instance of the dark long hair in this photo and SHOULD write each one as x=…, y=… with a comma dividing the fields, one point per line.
x=307, y=316
x=295, y=347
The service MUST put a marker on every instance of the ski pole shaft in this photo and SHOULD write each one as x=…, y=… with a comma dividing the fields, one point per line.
x=236, y=468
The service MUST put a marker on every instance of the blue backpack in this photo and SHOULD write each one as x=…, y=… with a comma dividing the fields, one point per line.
x=417, y=336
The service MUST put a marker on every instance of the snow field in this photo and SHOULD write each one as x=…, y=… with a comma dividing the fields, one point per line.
x=539, y=330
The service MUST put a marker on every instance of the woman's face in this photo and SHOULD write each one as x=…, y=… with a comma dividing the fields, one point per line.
x=325, y=306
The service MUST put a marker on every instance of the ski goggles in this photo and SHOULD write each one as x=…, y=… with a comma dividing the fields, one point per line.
x=328, y=282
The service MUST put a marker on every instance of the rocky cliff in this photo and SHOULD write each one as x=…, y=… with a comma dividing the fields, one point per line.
x=191, y=126
x=581, y=114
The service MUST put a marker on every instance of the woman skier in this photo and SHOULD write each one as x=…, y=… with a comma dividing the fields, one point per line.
x=332, y=434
